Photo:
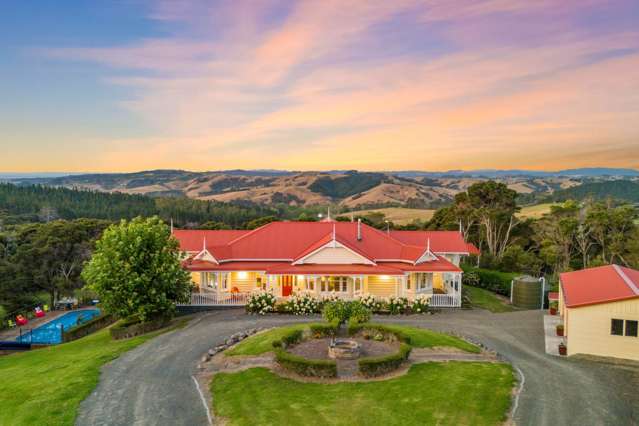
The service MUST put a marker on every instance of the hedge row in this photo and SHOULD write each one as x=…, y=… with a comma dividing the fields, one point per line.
x=377, y=366
x=305, y=367
x=386, y=332
x=91, y=326
x=495, y=281
x=127, y=328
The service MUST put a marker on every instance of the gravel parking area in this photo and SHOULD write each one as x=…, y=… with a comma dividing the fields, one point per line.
x=153, y=384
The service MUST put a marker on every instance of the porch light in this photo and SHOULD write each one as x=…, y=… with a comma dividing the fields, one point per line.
x=242, y=275
x=385, y=277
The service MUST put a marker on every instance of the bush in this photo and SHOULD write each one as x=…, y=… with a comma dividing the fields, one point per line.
x=359, y=313
x=372, y=330
x=260, y=303
x=419, y=305
x=305, y=367
x=495, y=281
x=371, y=303
x=91, y=326
x=377, y=366
x=303, y=304
x=324, y=330
x=336, y=311
x=397, y=305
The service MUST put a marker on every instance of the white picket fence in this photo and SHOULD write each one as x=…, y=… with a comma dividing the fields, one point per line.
x=211, y=299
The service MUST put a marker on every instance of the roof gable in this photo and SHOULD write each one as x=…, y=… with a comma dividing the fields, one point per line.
x=602, y=284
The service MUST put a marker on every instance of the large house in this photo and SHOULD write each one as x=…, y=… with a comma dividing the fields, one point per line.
x=600, y=311
x=344, y=259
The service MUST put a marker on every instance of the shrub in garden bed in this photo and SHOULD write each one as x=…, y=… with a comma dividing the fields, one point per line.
x=260, y=303
x=419, y=305
x=291, y=338
x=323, y=330
x=377, y=366
x=397, y=305
x=377, y=332
x=371, y=303
x=305, y=367
x=302, y=304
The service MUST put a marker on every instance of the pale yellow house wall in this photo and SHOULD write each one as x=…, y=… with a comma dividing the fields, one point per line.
x=438, y=281
x=196, y=278
x=335, y=256
x=245, y=282
x=588, y=330
x=381, y=286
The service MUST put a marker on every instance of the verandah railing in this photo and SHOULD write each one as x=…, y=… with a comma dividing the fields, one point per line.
x=224, y=299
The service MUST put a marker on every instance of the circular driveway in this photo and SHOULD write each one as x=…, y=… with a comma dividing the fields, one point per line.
x=153, y=385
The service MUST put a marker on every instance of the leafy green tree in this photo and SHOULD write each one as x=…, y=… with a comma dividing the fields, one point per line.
x=50, y=255
x=136, y=270
x=256, y=223
x=213, y=225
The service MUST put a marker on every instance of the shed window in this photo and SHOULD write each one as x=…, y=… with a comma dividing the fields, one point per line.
x=616, y=327
x=631, y=328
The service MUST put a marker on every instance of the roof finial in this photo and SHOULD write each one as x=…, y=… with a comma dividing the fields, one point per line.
x=328, y=214
x=334, y=235
x=204, y=243
x=460, y=226
x=171, y=226
x=428, y=244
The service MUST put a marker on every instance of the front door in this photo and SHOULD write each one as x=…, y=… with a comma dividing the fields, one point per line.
x=287, y=285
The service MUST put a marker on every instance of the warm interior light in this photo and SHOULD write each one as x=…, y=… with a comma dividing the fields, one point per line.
x=242, y=275
x=385, y=277
x=300, y=277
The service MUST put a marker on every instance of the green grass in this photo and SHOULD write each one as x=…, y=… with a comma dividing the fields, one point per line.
x=46, y=386
x=420, y=338
x=423, y=338
x=485, y=299
x=452, y=393
x=262, y=342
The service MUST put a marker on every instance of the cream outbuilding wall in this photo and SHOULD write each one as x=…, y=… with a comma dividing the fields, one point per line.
x=588, y=329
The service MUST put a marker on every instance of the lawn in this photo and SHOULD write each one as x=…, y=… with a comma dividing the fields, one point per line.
x=46, y=386
x=452, y=393
x=262, y=342
x=484, y=299
x=420, y=338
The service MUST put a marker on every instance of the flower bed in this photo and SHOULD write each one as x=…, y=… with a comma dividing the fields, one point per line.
x=302, y=304
x=260, y=303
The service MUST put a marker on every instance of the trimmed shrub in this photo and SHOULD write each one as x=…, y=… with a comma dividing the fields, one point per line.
x=372, y=303
x=397, y=305
x=91, y=326
x=377, y=366
x=260, y=303
x=372, y=330
x=359, y=313
x=305, y=367
x=132, y=327
x=336, y=311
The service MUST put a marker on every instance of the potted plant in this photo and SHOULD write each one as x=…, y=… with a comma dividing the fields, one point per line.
x=560, y=329
x=553, y=308
x=562, y=348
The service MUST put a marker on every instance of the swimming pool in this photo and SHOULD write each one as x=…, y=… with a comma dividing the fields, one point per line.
x=51, y=332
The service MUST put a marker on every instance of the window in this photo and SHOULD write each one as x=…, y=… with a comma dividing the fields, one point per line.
x=335, y=284
x=358, y=284
x=616, y=327
x=408, y=282
x=310, y=284
x=422, y=282
x=631, y=328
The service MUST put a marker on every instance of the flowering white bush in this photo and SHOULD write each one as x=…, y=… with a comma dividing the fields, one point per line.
x=302, y=304
x=397, y=305
x=260, y=303
x=420, y=305
x=369, y=301
x=331, y=297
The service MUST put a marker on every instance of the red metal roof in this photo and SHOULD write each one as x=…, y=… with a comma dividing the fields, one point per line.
x=287, y=241
x=308, y=269
x=602, y=284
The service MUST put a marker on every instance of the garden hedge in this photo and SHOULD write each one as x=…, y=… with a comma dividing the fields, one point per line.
x=377, y=366
x=354, y=328
x=323, y=330
x=305, y=367
x=91, y=326
x=495, y=281
x=131, y=328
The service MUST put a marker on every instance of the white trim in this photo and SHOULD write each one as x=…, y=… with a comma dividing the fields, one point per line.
x=255, y=260
x=206, y=255
x=334, y=244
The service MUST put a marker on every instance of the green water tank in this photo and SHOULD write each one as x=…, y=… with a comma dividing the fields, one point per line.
x=526, y=293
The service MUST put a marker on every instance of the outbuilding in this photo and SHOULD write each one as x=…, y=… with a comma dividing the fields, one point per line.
x=600, y=311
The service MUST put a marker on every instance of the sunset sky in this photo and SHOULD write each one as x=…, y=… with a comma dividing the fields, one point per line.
x=308, y=85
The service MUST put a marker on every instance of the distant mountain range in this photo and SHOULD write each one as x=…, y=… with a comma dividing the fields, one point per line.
x=348, y=188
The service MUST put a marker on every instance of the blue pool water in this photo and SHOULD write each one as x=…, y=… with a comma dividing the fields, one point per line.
x=50, y=333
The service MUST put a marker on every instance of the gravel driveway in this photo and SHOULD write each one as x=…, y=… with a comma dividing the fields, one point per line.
x=152, y=384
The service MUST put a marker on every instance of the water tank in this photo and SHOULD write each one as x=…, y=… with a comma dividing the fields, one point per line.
x=526, y=293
